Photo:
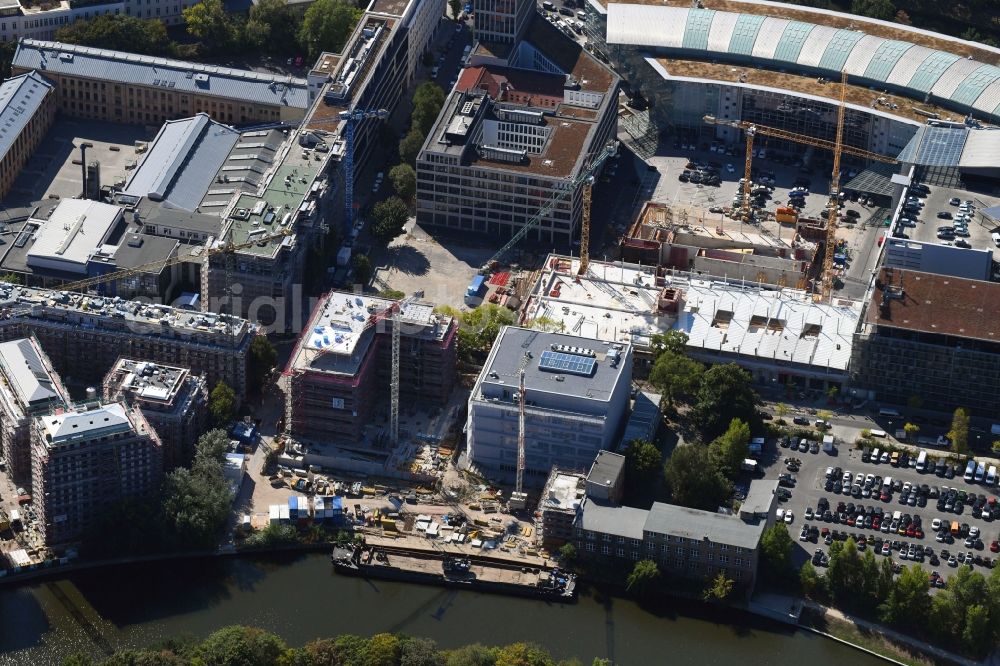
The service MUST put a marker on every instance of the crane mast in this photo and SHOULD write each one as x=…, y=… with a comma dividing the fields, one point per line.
x=518, y=498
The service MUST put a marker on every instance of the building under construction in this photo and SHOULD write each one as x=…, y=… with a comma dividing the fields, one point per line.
x=86, y=335
x=341, y=367
x=28, y=387
x=174, y=402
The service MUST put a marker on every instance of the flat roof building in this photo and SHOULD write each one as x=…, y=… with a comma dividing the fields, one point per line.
x=83, y=460
x=969, y=263
x=606, y=478
x=340, y=367
x=27, y=108
x=72, y=234
x=560, y=500
x=576, y=398
x=174, y=402
x=29, y=386
x=148, y=90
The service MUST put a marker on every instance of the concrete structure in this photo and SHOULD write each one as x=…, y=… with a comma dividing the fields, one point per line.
x=519, y=128
x=930, y=336
x=561, y=498
x=684, y=542
x=129, y=88
x=28, y=387
x=339, y=370
x=75, y=230
x=173, y=401
x=500, y=22
x=576, y=396
x=85, y=335
x=968, y=263
x=606, y=478
x=27, y=107
x=760, y=501
x=779, y=336
x=85, y=459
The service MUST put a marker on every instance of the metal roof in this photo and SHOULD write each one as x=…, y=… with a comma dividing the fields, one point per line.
x=935, y=146
x=71, y=235
x=84, y=425
x=966, y=84
x=151, y=71
x=700, y=525
x=624, y=521
x=20, y=99
x=182, y=161
x=28, y=373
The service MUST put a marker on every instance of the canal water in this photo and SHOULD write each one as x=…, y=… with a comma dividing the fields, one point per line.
x=300, y=598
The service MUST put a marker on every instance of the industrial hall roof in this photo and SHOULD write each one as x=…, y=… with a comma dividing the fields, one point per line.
x=918, y=71
x=20, y=98
x=131, y=68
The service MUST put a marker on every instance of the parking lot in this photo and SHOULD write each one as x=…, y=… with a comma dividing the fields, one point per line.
x=808, y=487
x=927, y=222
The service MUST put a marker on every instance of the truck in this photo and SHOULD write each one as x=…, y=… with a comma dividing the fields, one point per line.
x=829, y=444
x=749, y=465
x=473, y=295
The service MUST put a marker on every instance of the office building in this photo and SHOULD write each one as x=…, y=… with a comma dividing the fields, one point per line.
x=933, y=337
x=173, y=401
x=501, y=21
x=28, y=387
x=576, y=400
x=561, y=498
x=121, y=87
x=969, y=263
x=83, y=460
x=606, y=479
x=27, y=107
x=339, y=371
x=518, y=129
x=85, y=335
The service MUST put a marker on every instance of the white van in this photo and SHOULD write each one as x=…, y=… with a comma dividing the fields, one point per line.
x=922, y=461
x=970, y=471
x=980, y=472
x=991, y=475
x=582, y=15
x=878, y=433
x=996, y=238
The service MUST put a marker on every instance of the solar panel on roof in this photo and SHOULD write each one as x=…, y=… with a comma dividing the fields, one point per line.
x=568, y=363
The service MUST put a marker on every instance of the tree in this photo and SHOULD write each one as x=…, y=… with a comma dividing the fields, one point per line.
x=719, y=588
x=959, y=433
x=479, y=327
x=276, y=22
x=209, y=22
x=643, y=576
x=247, y=646
x=326, y=26
x=724, y=395
x=119, y=32
x=410, y=146
x=263, y=358
x=676, y=375
x=776, y=552
x=362, y=268
x=419, y=652
x=877, y=9
x=523, y=654
x=845, y=573
x=428, y=99
x=404, y=181
x=694, y=482
x=671, y=341
x=389, y=218
x=810, y=581
x=911, y=430
x=781, y=410
x=196, y=501
x=643, y=463
x=567, y=553
x=979, y=631
x=995, y=447
x=730, y=449
x=222, y=403
x=906, y=605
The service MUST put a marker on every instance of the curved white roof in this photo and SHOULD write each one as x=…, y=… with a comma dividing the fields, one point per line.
x=967, y=85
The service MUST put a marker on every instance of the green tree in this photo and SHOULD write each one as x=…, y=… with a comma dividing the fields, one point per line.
x=326, y=26
x=995, y=447
x=676, y=376
x=694, y=482
x=389, y=217
x=776, y=552
x=479, y=328
x=362, y=268
x=567, y=553
x=877, y=9
x=410, y=146
x=428, y=99
x=222, y=403
x=911, y=430
x=959, y=433
x=845, y=574
x=274, y=25
x=263, y=358
x=523, y=654
x=719, y=588
x=725, y=394
x=246, y=646
x=209, y=22
x=781, y=410
x=404, y=181
x=907, y=603
x=119, y=32
x=979, y=632
x=810, y=581
x=644, y=575
x=730, y=449
x=419, y=652
x=643, y=463
x=672, y=341
x=456, y=8
x=471, y=655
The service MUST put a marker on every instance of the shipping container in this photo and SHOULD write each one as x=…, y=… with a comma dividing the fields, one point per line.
x=274, y=514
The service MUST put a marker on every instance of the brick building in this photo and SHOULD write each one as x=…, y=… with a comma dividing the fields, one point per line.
x=27, y=107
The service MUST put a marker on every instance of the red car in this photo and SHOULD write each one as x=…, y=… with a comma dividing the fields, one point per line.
x=995, y=546
x=919, y=533
x=911, y=531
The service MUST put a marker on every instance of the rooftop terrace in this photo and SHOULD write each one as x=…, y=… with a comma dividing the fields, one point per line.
x=146, y=381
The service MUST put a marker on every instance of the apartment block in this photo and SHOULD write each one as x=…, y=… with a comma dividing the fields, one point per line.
x=29, y=387
x=520, y=128
x=121, y=87
x=27, y=107
x=85, y=459
x=576, y=394
x=340, y=369
x=933, y=337
x=173, y=401
x=85, y=335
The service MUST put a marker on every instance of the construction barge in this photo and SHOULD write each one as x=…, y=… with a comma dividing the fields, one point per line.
x=468, y=573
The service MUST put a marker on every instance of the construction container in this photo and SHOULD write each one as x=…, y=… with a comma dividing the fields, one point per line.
x=274, y=514
x=293, y=506
x=284, y=515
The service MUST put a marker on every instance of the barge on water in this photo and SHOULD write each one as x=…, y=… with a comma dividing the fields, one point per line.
x=432, y=568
